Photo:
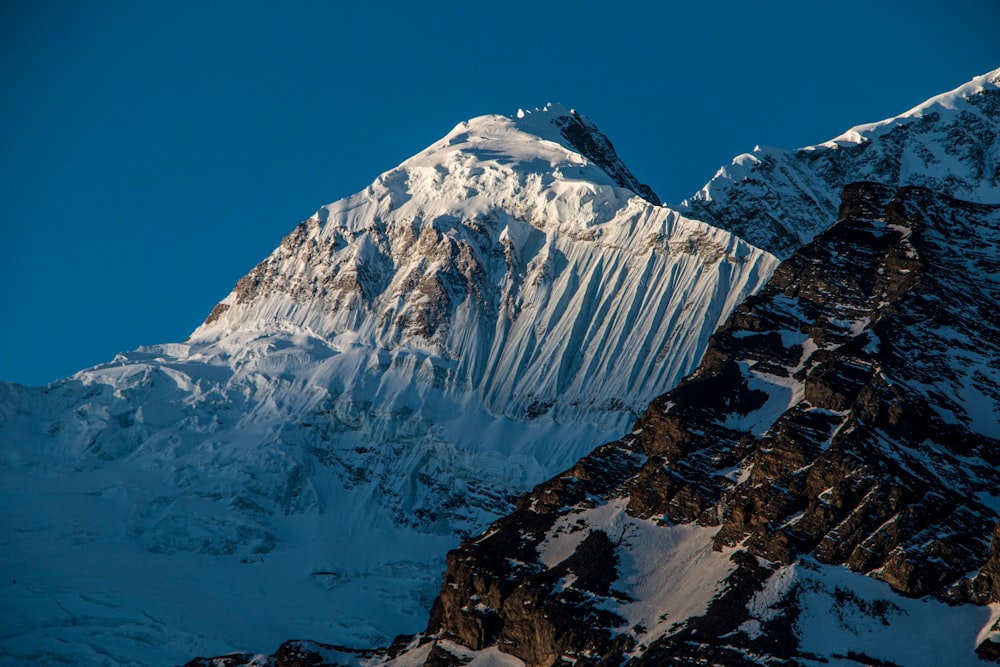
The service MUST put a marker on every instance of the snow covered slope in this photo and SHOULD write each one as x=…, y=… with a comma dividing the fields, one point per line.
x=405, y=362
x=780, y=199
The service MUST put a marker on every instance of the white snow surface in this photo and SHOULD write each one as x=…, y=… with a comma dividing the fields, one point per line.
x=404, y=363
x=416, y=656
x=843, y=612
x=668, y=572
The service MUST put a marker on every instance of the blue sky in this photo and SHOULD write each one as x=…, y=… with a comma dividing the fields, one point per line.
x=153, y=153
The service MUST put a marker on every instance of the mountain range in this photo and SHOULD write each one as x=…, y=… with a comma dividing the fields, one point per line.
x=485, y=317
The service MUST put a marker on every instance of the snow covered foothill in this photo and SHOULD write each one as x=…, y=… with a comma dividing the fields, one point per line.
x=405, y=362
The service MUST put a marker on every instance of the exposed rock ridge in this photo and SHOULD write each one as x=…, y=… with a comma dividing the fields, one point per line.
x=587, y=139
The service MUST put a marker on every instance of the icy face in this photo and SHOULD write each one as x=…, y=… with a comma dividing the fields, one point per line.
x=404, y=363
x=780, y=199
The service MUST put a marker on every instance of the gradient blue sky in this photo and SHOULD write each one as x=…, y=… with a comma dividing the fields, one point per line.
x=153, y=153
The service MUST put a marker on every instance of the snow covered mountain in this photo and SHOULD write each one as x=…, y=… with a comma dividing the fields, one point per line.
x=504, y=262
x=407, y=361
x=821, y=491
x=780, y=199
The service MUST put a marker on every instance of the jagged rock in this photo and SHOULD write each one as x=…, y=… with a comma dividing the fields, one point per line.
x=585, y=137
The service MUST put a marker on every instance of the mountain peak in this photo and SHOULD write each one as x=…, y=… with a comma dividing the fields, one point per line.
x=552, y=109
x=495, y=222
x=541, y=140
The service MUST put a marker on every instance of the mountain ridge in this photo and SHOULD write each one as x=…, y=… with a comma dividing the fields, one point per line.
x=777, y=199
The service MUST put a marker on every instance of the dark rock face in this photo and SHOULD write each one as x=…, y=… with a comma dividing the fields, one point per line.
x=586, y=138
x=496, y=593
x=848, y=414
x=295, y=653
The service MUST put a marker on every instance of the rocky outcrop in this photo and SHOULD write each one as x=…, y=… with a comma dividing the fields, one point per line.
x=495, y=592
x=586, y=138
